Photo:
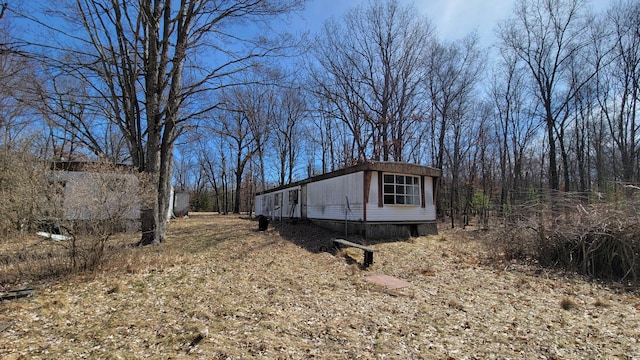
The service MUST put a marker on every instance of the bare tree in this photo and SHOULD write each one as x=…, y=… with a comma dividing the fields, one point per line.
x=17, y=74
x=370, y=71
x=77, y=129
x=319, y=131
x=584, y=114
x=210, y=169
x=514, y=126
x=148, y=60
x=619, y=88
x=453, y=73
x=244, y=123
x=322, y=135
x=290, y=111
x=546, y=35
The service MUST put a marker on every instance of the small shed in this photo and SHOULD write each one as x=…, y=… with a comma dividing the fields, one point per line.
x=373, y=199
x=84, y=191
x=179, y=203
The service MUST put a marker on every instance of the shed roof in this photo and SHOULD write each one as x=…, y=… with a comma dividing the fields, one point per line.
x=67, y=165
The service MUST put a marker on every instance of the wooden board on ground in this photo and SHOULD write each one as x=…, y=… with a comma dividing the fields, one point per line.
x=387, y=281
x=17, y=293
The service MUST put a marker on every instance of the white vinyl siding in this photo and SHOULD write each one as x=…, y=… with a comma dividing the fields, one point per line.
x=280, y=204
x=327, y=199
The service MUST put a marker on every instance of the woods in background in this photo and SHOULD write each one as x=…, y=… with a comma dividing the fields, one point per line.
x=216, y=99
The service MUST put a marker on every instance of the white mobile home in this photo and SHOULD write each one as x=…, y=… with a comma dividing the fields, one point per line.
x=373, y=199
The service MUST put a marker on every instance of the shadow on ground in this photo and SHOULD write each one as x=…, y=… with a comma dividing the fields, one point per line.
x=313, y=238
x=304, y=234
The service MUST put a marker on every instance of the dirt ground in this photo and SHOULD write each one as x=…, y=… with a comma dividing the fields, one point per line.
x=220, y=289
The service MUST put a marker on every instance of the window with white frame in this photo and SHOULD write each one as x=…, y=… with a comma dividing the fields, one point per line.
x=401, y=189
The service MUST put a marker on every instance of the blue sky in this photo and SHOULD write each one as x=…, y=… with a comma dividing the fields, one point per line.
x=453, y=19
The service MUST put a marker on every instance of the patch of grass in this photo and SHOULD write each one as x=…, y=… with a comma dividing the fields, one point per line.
x=568, y=304
x=600, y=303
x=455, y=304
x=522, y=282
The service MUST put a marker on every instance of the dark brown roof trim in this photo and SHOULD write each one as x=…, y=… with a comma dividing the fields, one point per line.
x=391, y=167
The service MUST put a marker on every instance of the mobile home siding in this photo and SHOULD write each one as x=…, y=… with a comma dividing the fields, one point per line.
x=284, y=203
x=327, y=199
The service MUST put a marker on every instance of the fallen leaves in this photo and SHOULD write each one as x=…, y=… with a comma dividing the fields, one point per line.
x=219, y=289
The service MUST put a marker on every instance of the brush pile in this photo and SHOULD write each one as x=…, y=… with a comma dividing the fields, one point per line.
x=600, y=240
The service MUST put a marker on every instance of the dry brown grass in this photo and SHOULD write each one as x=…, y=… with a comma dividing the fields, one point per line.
x=568, y=304
x=219, y=289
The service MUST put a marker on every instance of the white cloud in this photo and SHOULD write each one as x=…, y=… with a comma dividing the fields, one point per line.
x=455, y=19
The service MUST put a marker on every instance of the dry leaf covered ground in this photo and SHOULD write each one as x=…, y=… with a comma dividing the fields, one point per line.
x=219, y=289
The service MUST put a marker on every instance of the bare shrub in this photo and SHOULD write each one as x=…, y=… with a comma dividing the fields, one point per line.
x=100, y=200
x=568, y=304
x=21, y=179
x=87, y=205
x=598, y=239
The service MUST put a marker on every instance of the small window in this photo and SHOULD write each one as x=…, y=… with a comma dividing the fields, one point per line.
x=401, y=190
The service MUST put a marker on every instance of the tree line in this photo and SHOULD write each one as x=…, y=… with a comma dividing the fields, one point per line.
x=215, y=98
